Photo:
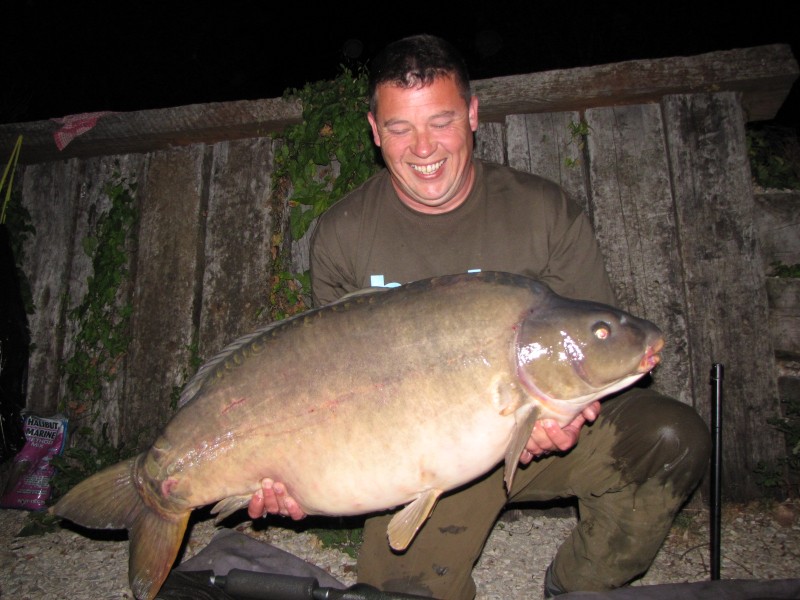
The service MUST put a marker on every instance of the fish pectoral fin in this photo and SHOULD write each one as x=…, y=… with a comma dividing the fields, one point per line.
x=405, y=524
x=525, y=418
x=227, y=506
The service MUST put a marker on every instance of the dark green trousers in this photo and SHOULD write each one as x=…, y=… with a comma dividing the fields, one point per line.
x=631, y=471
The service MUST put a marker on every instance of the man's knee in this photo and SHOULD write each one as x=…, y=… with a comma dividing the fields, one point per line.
x=659, y=437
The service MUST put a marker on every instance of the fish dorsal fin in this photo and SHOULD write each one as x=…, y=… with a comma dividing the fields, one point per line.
x=405, y=524
x=525, y=418
x=193, y=386
x=208, y=369
x=362, y=292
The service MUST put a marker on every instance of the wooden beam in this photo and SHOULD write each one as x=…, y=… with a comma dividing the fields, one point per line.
x=149, y=130
x=763, y=75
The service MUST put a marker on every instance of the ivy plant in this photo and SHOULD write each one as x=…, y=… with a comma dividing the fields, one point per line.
x=102, y=320
x=102, y=336
x=321, y=159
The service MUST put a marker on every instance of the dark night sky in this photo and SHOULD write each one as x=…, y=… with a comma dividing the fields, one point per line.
x=62, y=58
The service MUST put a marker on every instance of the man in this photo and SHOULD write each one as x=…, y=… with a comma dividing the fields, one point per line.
x=436, y=210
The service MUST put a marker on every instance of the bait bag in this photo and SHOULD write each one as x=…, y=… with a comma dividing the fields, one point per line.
x=30, y=481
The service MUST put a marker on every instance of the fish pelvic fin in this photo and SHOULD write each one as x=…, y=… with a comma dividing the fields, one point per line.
x=110, y=500
x=525, y=418
x=405, y=524
x=155, y=540
x=227, y=506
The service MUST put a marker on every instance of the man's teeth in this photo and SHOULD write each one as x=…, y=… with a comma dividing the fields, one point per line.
x=428, y=169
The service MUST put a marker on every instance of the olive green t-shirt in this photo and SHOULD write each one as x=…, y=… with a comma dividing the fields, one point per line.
x=511, y=221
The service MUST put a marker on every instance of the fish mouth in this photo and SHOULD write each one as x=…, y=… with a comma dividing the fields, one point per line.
x=651, y=357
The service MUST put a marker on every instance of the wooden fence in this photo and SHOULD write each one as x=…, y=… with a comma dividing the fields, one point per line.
x=663, y=174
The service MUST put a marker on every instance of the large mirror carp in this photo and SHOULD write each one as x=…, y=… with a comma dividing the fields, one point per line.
x=381, y=400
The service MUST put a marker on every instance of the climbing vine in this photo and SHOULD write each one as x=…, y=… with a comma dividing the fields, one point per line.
x=101, y=319
x=321, y=159
x=101, y=340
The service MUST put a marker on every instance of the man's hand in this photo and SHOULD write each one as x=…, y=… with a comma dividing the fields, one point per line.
x=548, y=436
x=273, y=499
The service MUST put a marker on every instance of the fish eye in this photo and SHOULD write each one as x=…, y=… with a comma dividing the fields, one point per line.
x=601, y=330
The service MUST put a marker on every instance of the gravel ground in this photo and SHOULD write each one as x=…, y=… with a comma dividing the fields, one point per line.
x=758, y=542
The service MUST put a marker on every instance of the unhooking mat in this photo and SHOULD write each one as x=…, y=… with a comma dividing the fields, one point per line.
x=229, y=549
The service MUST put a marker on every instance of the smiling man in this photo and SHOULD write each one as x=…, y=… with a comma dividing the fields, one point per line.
x=436, y=210
x=425, y=135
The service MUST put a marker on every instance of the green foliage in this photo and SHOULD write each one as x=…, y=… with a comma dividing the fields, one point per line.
x=774, y=154
x=78, y=462
x=684, y=520
x=778, y=269
x=344, y=536
x=101, y=339
x=334, y=132
x=8, y=175
x=578, y=133
x=323, y=158
x=784, y=475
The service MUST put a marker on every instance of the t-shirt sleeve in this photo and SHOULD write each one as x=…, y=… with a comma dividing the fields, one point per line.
x=328, y=279
x=576, y=267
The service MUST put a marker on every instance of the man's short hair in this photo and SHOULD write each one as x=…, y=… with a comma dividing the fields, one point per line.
x=417, y=61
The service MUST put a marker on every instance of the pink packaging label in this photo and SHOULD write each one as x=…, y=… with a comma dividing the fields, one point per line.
x=29, y=486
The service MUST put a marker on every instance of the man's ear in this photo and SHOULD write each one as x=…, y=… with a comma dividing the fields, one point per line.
x=473, y=113
x=372, y=123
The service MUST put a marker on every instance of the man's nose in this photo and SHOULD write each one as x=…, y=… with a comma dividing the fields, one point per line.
x=423, y=144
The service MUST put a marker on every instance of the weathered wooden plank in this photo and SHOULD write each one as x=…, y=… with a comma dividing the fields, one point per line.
x=237, y=243
x=49, y=195
x=634, y=220
x=543, y=144
x=727, y=316
x=763, y=74
x=91, y=203
x=490, y=143
x=150, y=130
x=784, y=316
x=165, y=301
x=778, y=224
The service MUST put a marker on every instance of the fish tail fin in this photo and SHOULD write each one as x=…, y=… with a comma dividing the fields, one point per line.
x=154, y=543
x=110, y=500
x=102, y=501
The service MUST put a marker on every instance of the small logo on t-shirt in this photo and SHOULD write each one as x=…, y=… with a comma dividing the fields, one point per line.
x=379, y=280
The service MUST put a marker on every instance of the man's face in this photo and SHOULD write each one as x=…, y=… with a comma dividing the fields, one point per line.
x=425, y=136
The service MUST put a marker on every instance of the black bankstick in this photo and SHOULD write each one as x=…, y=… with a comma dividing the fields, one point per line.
x=717, y=372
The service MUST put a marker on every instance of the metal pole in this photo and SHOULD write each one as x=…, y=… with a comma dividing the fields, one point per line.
x=716, y=468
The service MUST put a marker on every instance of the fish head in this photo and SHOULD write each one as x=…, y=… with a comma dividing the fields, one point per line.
x=572, y=352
